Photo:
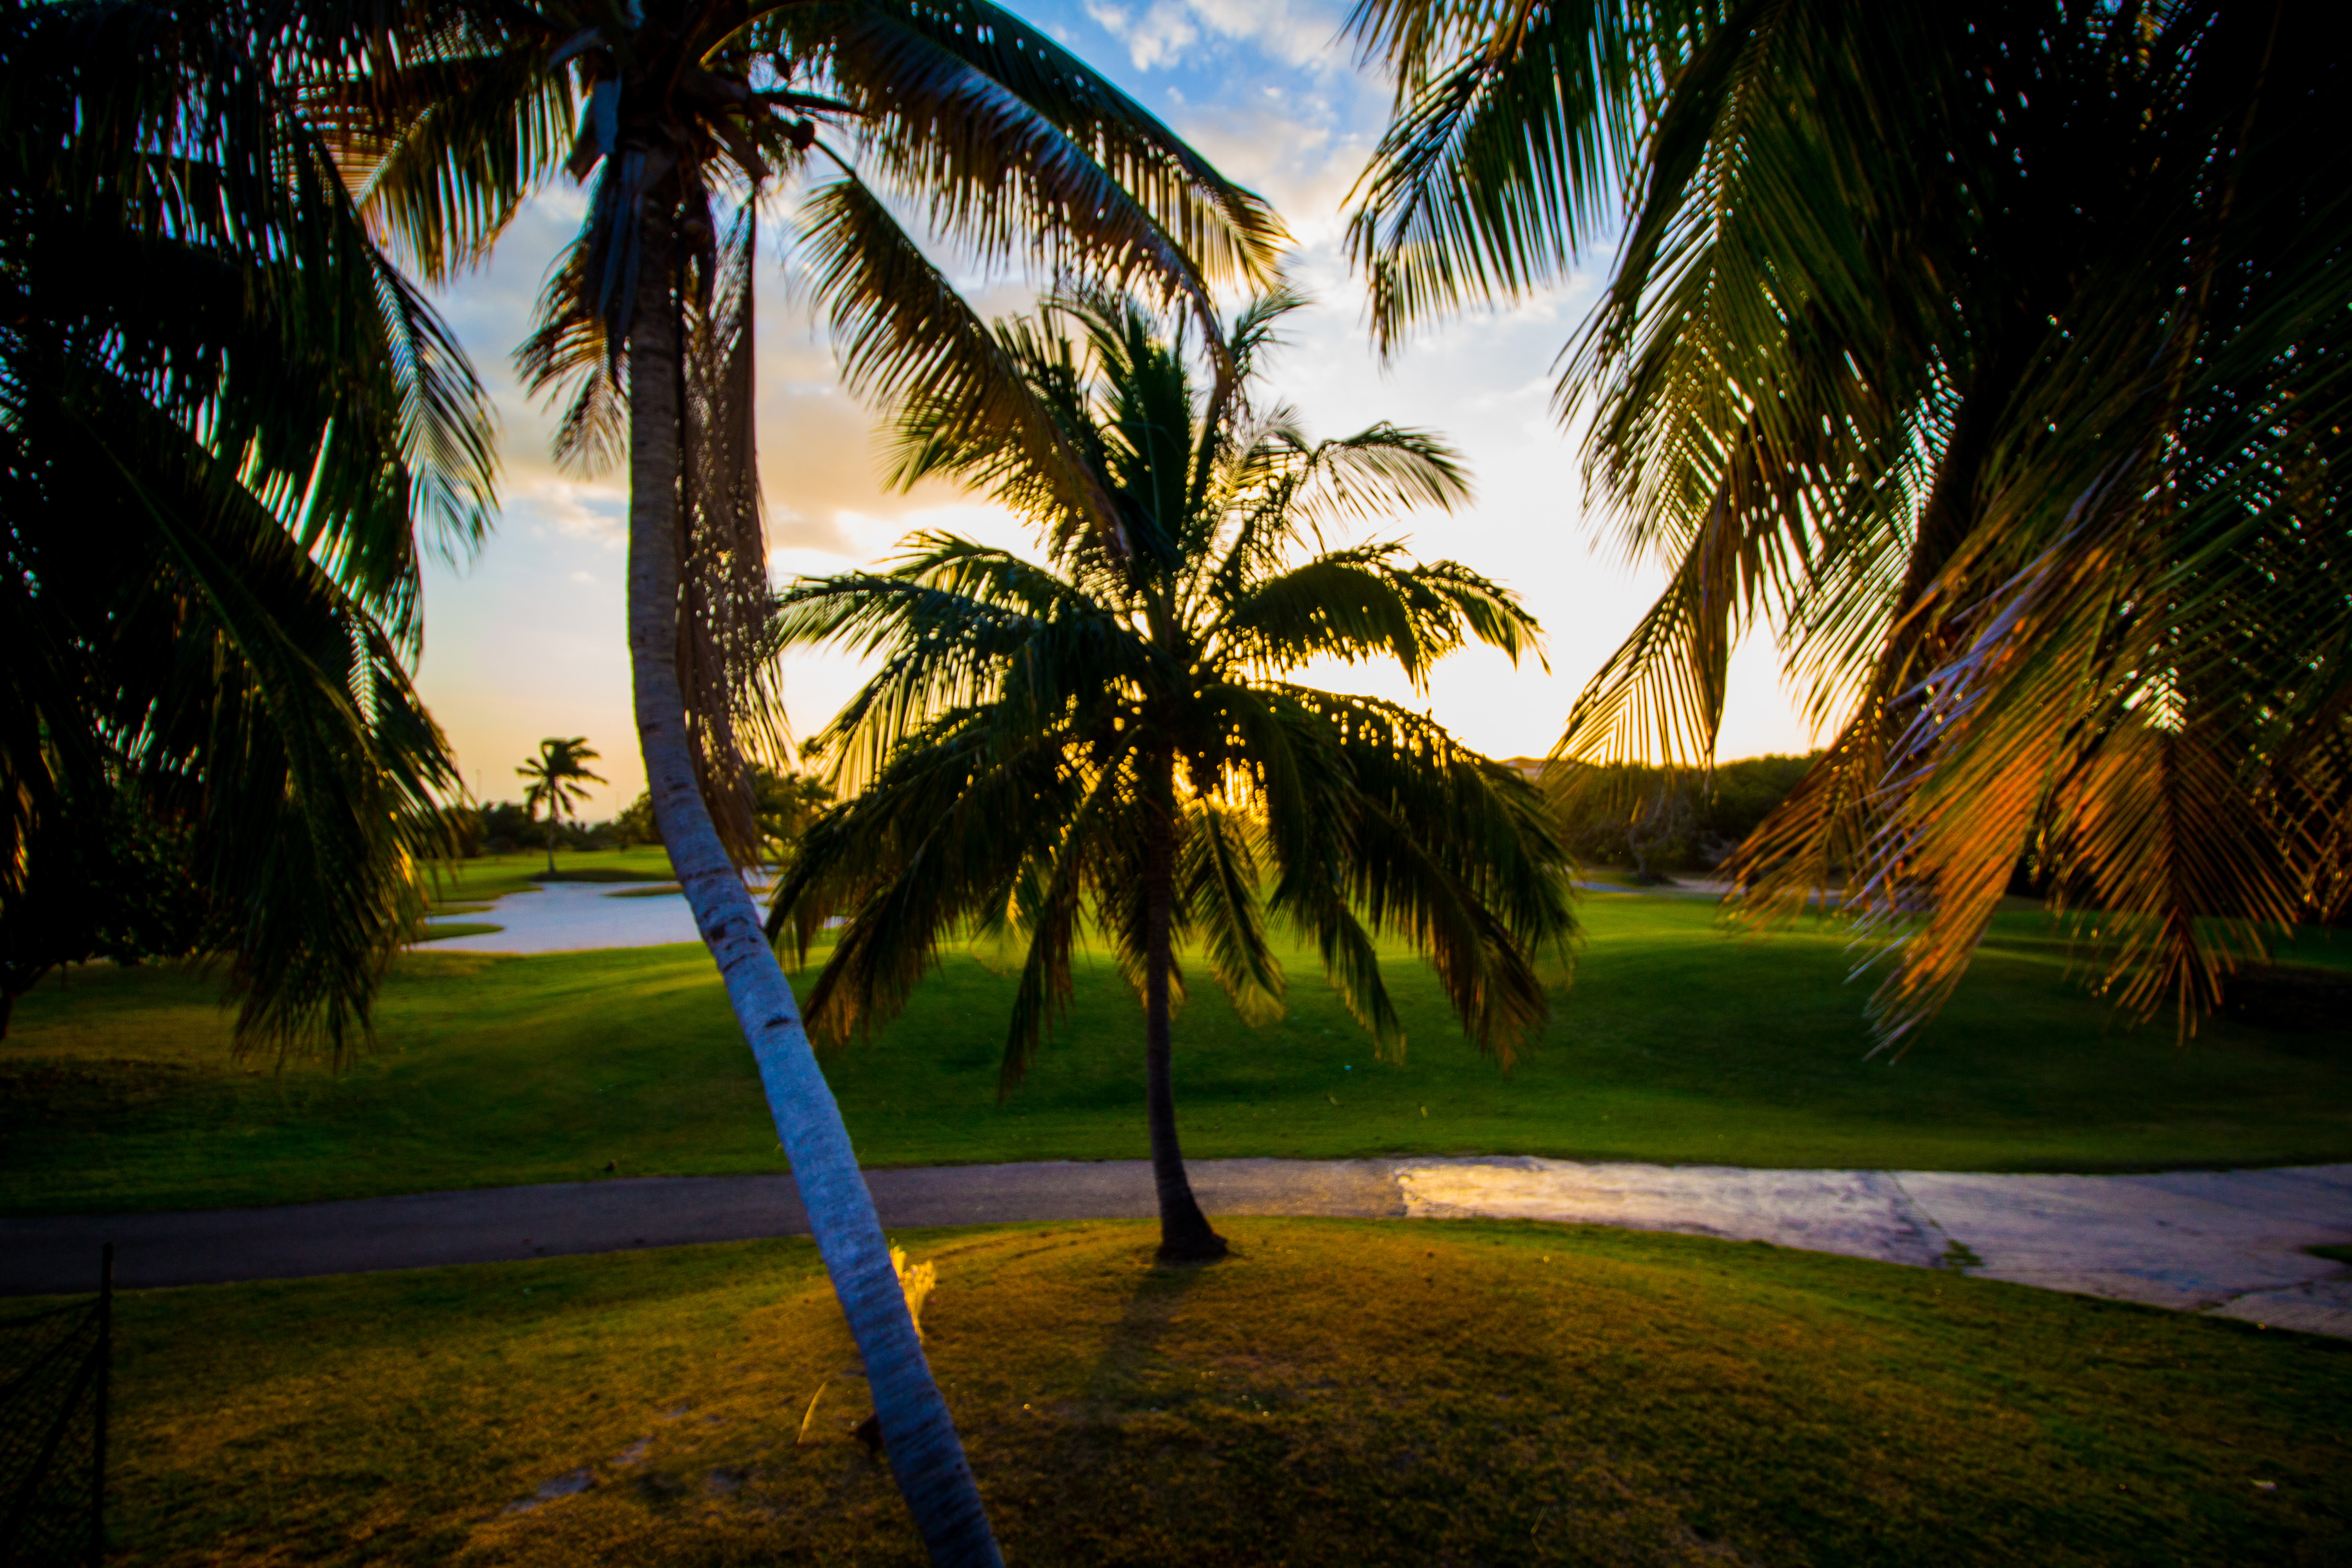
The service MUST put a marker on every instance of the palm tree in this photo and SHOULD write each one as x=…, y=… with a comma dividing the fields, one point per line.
x=1111, y=738
x=690, y=112
x=1989, y=350
x=225, y=417
x=556, y=775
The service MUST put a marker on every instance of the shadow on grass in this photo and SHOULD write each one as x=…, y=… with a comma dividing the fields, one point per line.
x=1130, y=1368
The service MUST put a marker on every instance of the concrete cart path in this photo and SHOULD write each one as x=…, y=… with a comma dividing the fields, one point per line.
x=2230, y=1243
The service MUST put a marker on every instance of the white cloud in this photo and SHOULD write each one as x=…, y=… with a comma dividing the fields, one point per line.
x=574, y=509
x=1298, y=32
x=1157, y=36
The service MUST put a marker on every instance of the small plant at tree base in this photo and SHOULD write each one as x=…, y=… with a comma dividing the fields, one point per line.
x=557, y=775
x=1110, y=738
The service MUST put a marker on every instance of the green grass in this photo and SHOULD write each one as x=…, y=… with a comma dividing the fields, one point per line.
x=445, y=929
x=1676, y=1044
x=494, y=876
x=1336, y=1394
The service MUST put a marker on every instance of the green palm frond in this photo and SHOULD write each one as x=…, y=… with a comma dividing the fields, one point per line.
x=207, y=347
x=908, y=337
x=1514, y=132
x=1217, y=880
x=1011, y=143
x=1989, y=354
x=1373, y=601
x=443, y=148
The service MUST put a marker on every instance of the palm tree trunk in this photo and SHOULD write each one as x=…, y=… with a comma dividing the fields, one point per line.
x=1184, y=1233
x=926, y=1456
x=551, y=843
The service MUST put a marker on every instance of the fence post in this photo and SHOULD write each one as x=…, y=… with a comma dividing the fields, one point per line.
x=105, y=1377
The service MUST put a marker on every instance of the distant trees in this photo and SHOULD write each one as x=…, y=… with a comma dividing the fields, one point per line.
x=635, y=824
x=1660, y=819
x=556, y=777
x=782, y=805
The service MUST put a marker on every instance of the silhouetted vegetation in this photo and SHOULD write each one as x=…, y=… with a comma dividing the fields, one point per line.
x=1657, y=819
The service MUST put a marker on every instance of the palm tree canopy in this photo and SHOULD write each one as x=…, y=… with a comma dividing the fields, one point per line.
x=1994, y=353
x=558, y=773
x=1032, y=722
x=225, y=417
x=1007, y=147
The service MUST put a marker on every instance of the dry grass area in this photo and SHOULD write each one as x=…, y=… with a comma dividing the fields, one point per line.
x=1339, y=1393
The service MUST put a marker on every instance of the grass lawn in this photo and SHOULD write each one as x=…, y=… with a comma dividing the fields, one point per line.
x=1676, y=1044
x=1339, y=1393
x=443, y=931
x=469, y=882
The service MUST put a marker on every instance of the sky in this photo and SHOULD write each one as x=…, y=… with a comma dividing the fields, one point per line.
x=527, y=638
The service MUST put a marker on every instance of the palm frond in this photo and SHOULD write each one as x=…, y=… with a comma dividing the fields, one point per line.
x=908, y=336
x=1217, y=875
x=1013, y=144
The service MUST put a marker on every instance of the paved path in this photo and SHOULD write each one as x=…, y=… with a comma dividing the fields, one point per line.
x=2230, y=1243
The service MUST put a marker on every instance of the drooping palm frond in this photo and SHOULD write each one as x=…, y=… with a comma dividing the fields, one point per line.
x=1514, y=134
x=1992, y=354
x=1011, y=145
x=228, y=417
x=908, y=338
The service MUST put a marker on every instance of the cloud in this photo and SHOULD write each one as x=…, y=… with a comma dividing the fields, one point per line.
x=1157, y=37
x=1298, y=32
x=573, y=509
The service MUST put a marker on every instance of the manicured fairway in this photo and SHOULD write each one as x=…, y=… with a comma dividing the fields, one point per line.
x=1336, y=1394
x=1674, y=1043
x=471, y=882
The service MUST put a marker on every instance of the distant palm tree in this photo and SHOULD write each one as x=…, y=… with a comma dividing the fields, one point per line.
x=1994, y=351
x=683, y=116
x=556, y=775
x=1111, y=738
x=226, y=417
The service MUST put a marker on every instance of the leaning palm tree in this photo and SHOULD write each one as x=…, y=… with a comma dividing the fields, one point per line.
x=226, y=417
x=684, y=116
x=556, y=777
x=1110, y=738
x=1992, y=350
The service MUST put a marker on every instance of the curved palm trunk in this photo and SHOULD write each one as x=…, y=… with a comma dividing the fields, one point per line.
x=1184, y=1233
x=551, y=843
x=925, y=1454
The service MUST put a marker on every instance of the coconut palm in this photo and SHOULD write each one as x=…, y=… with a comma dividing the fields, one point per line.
x=1992, y=352
x=557, y=775
x=224, y=418
x=691, y=114
x=1109, y=739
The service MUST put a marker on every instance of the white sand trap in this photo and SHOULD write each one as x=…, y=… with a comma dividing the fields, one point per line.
x=572, y=916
